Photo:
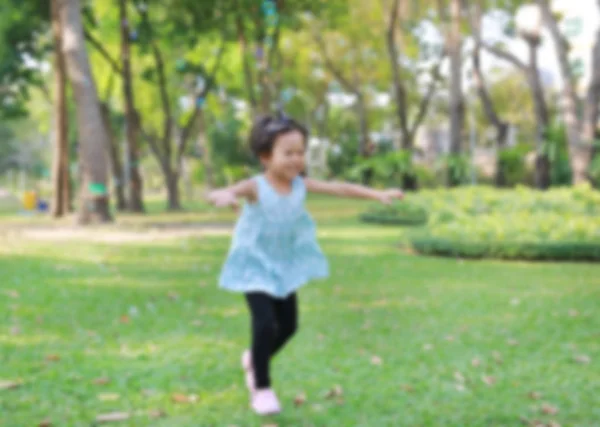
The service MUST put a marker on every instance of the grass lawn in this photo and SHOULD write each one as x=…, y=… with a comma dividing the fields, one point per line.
x=390, y=339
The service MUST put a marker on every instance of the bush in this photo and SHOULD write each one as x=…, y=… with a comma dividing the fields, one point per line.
x=512, y=162
x=397, y=214
x=532, y=251
x=560, y=224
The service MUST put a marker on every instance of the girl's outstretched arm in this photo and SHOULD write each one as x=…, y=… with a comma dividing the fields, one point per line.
x=229, y=196
x=345, y=189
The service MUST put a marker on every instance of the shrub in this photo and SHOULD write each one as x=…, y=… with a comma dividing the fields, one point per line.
x=560, y=224
x=401, y=213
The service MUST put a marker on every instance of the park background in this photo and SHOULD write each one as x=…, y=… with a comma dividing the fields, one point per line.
x=474, y=302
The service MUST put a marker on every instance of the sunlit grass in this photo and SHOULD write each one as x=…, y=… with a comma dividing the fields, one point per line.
x=412, y=341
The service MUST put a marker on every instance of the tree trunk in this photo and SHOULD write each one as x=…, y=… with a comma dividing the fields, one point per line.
x=457, y=112
x=115, y=159
x=61, y=179
x=173, y=196
x=135, y=200
x=94, y=202
x=590, y=122
x=206, y=150
x=542, y=162
x=363, y=121
x=399, y=89
x=578, y=153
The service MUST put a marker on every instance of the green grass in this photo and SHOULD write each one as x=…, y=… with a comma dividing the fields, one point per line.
x=439, y=327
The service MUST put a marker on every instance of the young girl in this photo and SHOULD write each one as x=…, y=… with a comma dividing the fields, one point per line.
x=274, y=250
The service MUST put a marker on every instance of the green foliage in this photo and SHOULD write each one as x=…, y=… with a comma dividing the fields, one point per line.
x=512, y=162
x=457, y=168
x=558, y=153
x=22, y=26
x=387, y=169
x=523, y=224
x=401, y=213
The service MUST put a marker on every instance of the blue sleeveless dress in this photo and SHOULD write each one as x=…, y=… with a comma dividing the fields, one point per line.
x=274, y=247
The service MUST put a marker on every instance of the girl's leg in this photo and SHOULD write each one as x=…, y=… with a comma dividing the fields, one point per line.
x=286, y=315
x=263, y=335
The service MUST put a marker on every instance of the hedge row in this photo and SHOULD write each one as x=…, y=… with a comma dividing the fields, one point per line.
x=546, y=251
x=398, y=214
x=479, y=222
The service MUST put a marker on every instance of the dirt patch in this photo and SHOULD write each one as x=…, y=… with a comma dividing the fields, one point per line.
x=112, y=234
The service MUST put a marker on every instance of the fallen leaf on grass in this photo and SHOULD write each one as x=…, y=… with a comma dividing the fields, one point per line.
x=336, y=391
x=376, y=360
x=9, y=384
x=300, y=400
x=101, y=381
x=157, y=413
x=497, y=357
x=52, y=358
x=113, y=417
x=459, y=377
x=548, y=409
x=534, y=395
x=124, y=319
x=583, y=359
x=476, y=362
x=407, y=388
x=489, y=380
x=109, y=397
x=45, y=423
x=460, y=387
x=12, y=293
x=184, y=398
x=573, y=312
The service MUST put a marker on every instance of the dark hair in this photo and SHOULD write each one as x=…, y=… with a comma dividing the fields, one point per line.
x=266, y=129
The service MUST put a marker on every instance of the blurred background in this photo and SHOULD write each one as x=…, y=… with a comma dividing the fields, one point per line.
x=117, y=115
x=118, y=103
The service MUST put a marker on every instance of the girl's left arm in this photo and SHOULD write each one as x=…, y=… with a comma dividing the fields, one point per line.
x=346, y=189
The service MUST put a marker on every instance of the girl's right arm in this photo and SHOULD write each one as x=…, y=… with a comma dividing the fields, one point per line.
x=229, y=196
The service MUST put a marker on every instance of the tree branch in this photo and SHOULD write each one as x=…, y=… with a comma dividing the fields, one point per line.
x=426, y=100
x=502, y=54
x=248, y=74
x=331, y=66
x=102, y=51
x=185, y=133
x=486, y=101
x=162, y=84
x=399, y=88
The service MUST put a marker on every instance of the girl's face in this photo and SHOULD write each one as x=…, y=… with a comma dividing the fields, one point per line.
x=287, y=160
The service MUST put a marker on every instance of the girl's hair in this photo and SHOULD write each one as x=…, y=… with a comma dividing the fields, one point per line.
x=267, y=128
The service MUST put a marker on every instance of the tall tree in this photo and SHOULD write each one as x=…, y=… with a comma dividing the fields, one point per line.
x=580, y=143
x=489, y=109
x=93, y=139
x=168, y=148
x=457, y=105
x=135, y=199
x=399, y=19
x=532, y=74
x=61, y=179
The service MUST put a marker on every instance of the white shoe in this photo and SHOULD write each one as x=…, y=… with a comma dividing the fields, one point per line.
x=265, y=402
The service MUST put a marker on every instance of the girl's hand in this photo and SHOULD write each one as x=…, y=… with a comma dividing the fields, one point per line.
x=223, y=199
x=388, y=196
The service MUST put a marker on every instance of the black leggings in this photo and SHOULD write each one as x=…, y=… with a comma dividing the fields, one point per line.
x=274, y=321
